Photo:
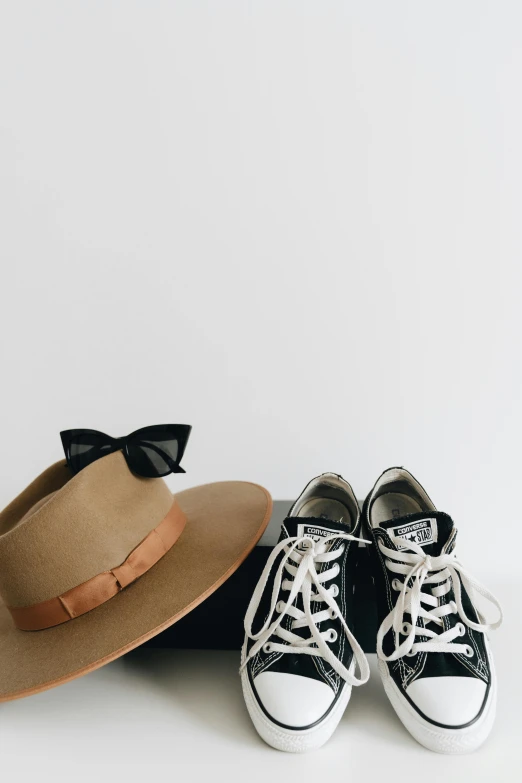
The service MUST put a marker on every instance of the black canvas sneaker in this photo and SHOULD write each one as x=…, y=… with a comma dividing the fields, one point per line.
x=299, y=655
x=434, y=655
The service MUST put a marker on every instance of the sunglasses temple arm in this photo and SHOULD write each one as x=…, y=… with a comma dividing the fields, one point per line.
x=174, y=466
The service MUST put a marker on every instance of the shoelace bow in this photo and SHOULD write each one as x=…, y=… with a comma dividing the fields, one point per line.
x=419, y=570
x=302, y=567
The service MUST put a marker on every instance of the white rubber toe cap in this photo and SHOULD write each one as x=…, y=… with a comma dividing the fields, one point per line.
x=452, y=701
x=293, y=700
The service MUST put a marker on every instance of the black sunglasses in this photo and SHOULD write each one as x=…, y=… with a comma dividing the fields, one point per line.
x=151, y=452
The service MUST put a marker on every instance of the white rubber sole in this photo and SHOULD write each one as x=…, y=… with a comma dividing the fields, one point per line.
x=287, y=739
x=436, y=738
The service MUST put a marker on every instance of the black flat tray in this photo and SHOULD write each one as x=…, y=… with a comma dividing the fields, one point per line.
x=217, y=623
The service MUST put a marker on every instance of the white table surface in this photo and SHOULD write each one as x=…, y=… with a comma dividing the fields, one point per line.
x=175, y=714
x=179, y=715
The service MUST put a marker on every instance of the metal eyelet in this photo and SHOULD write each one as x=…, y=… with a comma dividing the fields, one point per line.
x=406, y=628
x=267, y=648
x=334, y=591
x=280, y=605
x=337, y=569
x=469, y=651
x=461, y=629
x=333, y=635
x=396, y=584
x=333, y=614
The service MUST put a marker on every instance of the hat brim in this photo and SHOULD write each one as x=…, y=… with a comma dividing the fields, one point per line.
x=224, y=522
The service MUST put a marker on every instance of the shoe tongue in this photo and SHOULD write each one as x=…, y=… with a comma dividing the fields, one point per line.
x=430, y=530
x=312, y=527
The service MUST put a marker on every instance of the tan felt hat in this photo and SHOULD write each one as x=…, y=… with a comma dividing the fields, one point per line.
x=93, y=565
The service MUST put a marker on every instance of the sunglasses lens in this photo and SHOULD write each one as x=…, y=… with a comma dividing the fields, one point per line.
x=155, y=452
x=85, y=448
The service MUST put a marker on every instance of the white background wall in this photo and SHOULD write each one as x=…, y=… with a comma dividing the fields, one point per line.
x=293, y=224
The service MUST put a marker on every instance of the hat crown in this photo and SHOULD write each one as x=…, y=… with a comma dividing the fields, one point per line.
x=63, y=529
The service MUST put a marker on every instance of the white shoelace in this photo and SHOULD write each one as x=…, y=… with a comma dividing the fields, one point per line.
x=443, y=572
x=302, y=567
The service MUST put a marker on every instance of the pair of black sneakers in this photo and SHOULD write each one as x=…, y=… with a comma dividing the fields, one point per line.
x=300, y=658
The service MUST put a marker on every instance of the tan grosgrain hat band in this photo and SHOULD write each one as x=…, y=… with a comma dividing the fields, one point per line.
x=102, y=587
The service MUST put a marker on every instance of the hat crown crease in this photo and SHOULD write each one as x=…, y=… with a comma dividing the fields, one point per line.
x=90, y=525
